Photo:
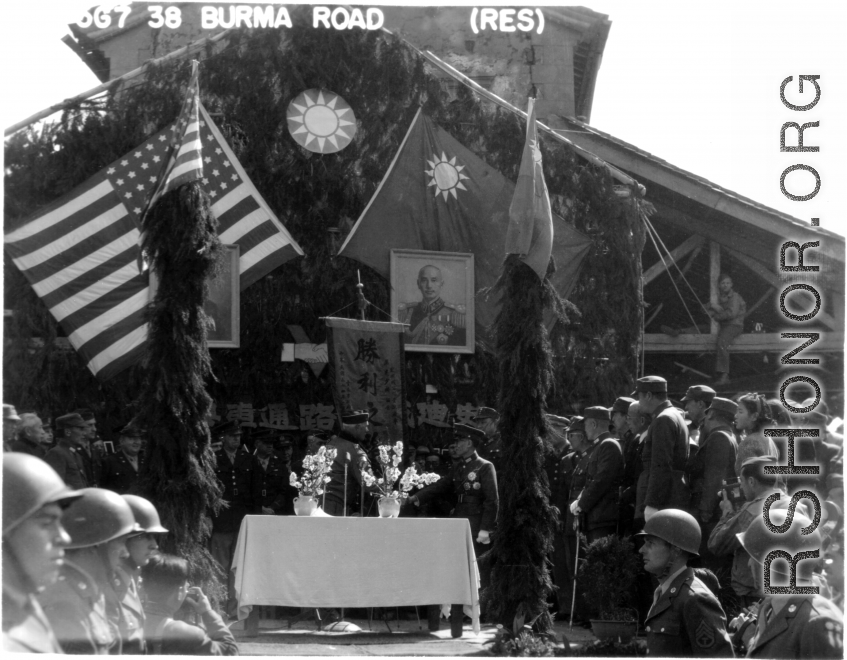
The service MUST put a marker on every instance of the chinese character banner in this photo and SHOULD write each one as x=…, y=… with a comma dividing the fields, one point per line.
x=366, y=358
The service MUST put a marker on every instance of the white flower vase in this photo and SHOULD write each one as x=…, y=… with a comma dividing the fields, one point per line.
x=389, y=507
x=305, y=505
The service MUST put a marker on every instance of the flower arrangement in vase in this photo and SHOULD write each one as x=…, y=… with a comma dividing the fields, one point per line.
x=393, y=485
x=311, y=483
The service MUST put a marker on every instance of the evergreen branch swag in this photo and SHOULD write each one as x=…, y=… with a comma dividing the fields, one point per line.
x=179, y=478
x=247, y=86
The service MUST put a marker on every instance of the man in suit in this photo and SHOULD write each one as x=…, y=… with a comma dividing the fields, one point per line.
x=790, y=625
x=350, y=461
x=433, y=321
x=597, y=502
x=713, y=464
x=234, y=470
x=65, y=456
x=92, y=451
x=662, y=483
x=686, y=618
x=120, y=470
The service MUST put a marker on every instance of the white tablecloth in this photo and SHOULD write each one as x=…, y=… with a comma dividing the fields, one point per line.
x=354, y=562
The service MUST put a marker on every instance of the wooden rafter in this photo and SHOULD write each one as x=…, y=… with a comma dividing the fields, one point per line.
x=689, y=244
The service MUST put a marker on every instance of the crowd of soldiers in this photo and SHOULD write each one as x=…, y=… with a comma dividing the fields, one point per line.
x=686, y=480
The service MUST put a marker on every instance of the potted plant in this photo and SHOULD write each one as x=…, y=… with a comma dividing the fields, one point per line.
x=387, y=488
x=607, y=575
x=311, y=483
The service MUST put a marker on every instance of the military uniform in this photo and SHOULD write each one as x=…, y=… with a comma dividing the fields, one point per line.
x=560, y=468
x=687, y=620
x=436, y=323
x=806, y=627
x=491, y=449
x=723, y=541
x=347, y=453
x=474, y=482
x=599, y=499
x=270, y=484
x=131, y=623
x=118, y=474
x=714, y=463
x=92, y=462
x=66, y=460
x=25, y=627
x=662, y=483
x=76, y=608
x=236, y=479
x=631, y=450
x=578, y=481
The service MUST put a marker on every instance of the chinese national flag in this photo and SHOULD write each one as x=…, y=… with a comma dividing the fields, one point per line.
x=530, y=232
x=439, y=196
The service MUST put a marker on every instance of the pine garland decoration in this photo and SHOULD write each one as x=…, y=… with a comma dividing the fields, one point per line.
x=182, y=244
x=520, y=578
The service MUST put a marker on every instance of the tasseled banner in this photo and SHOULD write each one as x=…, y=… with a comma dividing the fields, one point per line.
x=183, y=248
x=520, y=578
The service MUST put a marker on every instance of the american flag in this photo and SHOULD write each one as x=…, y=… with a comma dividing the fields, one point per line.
x=79, y=253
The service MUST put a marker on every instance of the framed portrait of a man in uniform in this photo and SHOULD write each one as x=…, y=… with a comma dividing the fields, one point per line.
x=223, y=304
x=433, y=294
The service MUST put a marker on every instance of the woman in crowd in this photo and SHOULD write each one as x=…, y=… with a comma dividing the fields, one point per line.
x=751, y=419
x=166, y=587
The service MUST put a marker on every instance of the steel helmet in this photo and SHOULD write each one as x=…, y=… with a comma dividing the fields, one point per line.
x=676, y=527
x=145, y=514
x=28, y=484
x=98, y=516
x=758, y=540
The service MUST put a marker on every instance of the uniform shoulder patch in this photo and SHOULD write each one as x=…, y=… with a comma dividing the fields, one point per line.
x=705, y=635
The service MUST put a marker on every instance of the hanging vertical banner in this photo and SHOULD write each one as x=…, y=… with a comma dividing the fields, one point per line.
x=366, y=359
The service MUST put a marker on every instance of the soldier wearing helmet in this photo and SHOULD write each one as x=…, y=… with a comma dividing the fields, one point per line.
x=686, y=618
x=82, y=605
x=33, y=549
x=790, y=625
x=140, y=548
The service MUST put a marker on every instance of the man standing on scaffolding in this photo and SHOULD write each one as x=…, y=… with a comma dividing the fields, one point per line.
x=729, y=312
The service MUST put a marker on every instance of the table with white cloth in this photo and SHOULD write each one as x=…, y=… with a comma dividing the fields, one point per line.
x=315, y=562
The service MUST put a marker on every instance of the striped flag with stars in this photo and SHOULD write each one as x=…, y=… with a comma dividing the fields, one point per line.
x=79, y=253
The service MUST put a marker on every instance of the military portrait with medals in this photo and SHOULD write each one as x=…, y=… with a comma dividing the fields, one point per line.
x=442, y=319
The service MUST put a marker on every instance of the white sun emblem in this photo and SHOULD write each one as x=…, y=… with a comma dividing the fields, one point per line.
x=536, y=152
x=323, y=118
x=446, y=175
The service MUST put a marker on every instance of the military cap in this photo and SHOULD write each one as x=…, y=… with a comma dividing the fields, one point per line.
x=758, y=460
x=226, y=427
x=621, y=404
x=651, y=384
x=464, y=431
x=86, y=413
x=556, y=420
x=485, y=413
x=265, y=435
x=422, y=449
x=596, y=412
x=723, y=405
x=70, y=420
x=577, y=425
x=285, y=441
x=355, y=417
x=699, y=393
x=9, y=413
x=132, y=430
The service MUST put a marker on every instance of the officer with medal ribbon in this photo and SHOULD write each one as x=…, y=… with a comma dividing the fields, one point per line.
x=474, y=481
x=433, y=321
